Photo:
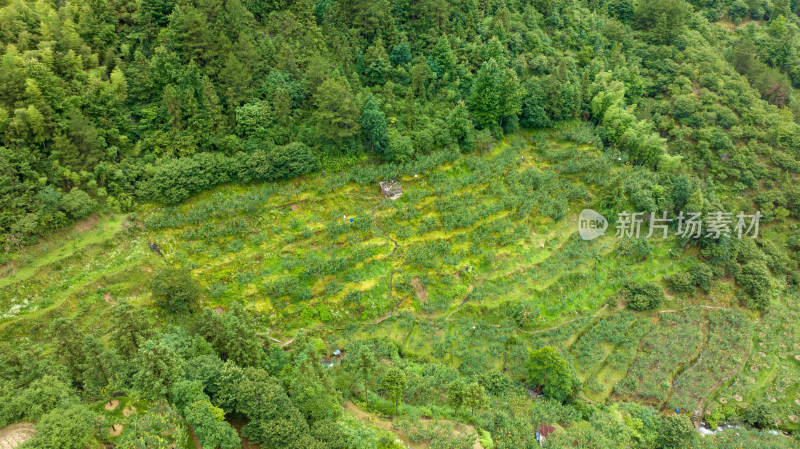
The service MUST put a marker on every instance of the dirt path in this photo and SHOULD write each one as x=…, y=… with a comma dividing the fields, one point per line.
x=369, y=418
x=325, y=326
x=705, y=331
x=721, y=382
x=684, y=308
x=14, y=435
x=548, y=329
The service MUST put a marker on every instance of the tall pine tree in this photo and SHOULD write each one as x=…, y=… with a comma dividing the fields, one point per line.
x=373, y=127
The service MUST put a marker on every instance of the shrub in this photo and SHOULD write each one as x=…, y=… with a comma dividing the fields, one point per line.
x=71, y=428
x=548, y=370
x=760, y=415
x=174, y=289
x=485, y=438
x=756, y=282
x=681, y=282
x=176, y=180
x=77, y=204
x=645, y=296
x=288, y=161
x=676, y=432
x=400, y=148
x=161, y=427
x=702, y=275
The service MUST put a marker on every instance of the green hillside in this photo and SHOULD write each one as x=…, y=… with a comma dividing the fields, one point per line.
x=197, y=251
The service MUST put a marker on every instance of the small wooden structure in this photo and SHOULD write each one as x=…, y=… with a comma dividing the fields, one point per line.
x=392, y=189
x=543, y=433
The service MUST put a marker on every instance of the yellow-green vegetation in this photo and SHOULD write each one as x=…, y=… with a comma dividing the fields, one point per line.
x=477, y=264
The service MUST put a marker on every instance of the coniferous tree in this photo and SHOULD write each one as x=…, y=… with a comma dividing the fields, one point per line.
x=394, y=382
x=131, y=329
x=336, y=114
x=100, y=364
x=373, y=127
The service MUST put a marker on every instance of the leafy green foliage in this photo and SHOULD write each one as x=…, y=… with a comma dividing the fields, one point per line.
x=760, y=415
x=234, y=335
x=373, y=126
x=158, y=367
x=645, y=296
x=394, y=382
x=474, y=397
x=207, y=421
x=158, y=428
x=174, y=289
x=69, y=428
x=756, y=281
x=106, y=106
x=495, y=95
x=456, y=393
x=546, y=369
x=676, y=432
x=363, y=362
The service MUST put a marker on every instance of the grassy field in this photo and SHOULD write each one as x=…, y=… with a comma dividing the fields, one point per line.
x=475, y=265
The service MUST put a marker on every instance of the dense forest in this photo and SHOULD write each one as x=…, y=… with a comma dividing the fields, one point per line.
x=103, y=103
x=193, y=122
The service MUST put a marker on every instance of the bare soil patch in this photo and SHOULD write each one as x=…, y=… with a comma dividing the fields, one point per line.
x=115, y=430
x=14, y=435
x=419, y=290
x=7, y=269
x=128, y=411
x=87, y=224
x=238, y=424
x=108, y=299
x=738, y=398
x=111, y=405
x=218, y=310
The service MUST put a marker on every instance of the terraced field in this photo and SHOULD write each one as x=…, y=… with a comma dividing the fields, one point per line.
x=478, y=263
x=14, y=435
x=313, y=253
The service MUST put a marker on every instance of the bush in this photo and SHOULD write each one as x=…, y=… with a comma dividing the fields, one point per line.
x=174, y=289
x=760, y=415
x=174, y=181
x=207, y=420
x=645, y=296
x=702, y=275
x=756, y=282
x=41, y=396
x=681, y=283
x=677, y=432
x=161, y=427
x=283, y=162
x=77, y=204
x=546, y=369
x=70, y=428
x=485, y=438
x=401, y=148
